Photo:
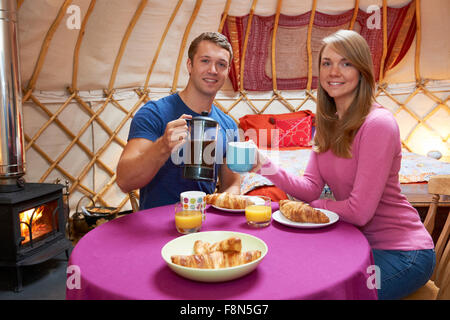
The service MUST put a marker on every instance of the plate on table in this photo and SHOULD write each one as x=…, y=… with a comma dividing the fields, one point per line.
x=184, y=245
x=257, y=200
x=280, y=218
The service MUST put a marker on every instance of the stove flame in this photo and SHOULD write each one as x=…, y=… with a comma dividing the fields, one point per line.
x=27, y=218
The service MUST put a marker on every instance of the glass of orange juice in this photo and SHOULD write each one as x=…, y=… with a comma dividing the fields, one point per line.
x=258, y=211
x=187, y=221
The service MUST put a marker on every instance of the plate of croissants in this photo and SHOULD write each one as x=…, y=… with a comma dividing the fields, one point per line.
x=214, y=256
x=298, y=214
x=231, y=202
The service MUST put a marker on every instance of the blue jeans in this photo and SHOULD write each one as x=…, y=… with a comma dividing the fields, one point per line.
x=403, y=272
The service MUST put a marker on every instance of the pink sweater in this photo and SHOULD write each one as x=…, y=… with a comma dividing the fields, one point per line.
x=366, y=187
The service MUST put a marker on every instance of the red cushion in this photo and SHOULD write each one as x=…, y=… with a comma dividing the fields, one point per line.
x=257, y=122
x=294, y=132
x=274, y=193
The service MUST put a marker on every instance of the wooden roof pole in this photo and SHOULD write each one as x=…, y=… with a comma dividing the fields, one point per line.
x=163, y=38
x=274, y=39
x=383, y=57
x=76, y=52
x=355, y=15
x=244, y=48
x=44, y=49
x=198, y=4
x=124, y=42
x=224, y=15
x=418, y=42
x=308, y=45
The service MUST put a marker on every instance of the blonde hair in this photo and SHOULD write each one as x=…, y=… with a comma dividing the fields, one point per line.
x=331, y=132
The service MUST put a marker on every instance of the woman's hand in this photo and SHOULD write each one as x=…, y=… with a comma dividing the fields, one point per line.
x=260, y=158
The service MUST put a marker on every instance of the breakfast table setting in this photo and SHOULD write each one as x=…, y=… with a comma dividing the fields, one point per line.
x=223, y=246
x=132, y=257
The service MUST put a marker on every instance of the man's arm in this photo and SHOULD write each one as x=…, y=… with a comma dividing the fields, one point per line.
x=141, y=158
x=229, y=181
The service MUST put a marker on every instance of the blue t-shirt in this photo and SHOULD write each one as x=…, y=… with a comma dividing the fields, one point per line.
x=150, y=123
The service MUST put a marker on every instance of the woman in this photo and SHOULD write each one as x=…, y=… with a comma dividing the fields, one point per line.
x=357, y=153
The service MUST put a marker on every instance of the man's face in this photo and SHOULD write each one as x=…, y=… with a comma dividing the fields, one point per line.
x=209, y=68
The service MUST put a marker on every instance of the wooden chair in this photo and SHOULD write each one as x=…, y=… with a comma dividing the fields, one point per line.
x=439, y=285
x=134, y=200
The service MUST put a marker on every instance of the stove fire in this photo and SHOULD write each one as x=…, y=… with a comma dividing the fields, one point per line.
x=37, y=222
x=28, y=221
x=32, y=226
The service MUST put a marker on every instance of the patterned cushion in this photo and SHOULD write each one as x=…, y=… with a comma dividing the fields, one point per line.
x=262, y=125
x=294, y=132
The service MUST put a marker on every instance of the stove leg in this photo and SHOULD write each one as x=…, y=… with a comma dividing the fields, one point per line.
x=18, y=287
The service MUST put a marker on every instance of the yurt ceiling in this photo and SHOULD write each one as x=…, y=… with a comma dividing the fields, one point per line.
x=87, y=66
x=109, y=20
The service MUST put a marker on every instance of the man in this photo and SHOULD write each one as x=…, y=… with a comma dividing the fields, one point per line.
x=159, y=128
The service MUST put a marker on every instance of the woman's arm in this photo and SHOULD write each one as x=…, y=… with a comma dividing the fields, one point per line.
x=306, y=188
x=379, y=144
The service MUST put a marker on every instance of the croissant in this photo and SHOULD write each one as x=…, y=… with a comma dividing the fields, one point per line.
x=298, y=211
x=216, y=259
x=226, y=200
x=230, y=244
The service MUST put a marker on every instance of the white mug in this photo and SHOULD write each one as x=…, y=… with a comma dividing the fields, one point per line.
x=241, y=156
x=193, y=200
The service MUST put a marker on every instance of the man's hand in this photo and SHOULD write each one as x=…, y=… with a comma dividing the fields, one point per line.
x=176, y=133
x=141, y=158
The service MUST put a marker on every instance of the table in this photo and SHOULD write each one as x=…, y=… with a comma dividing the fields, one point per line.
x=417, y=194
x=121, y=259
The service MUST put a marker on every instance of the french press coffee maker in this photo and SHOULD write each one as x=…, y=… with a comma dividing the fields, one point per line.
x=200, y=158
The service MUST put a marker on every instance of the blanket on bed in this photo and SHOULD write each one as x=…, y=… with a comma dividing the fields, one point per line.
x=415, y=168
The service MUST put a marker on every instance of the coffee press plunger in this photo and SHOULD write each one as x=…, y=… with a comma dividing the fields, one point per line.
x=200, y=158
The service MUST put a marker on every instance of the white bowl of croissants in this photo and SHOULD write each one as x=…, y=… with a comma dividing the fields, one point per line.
x=214, y=256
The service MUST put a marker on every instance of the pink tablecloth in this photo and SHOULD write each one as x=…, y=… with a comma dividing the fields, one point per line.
x=122, y=260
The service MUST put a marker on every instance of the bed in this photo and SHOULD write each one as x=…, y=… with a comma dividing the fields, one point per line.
x=293, y=155
x=415, y=172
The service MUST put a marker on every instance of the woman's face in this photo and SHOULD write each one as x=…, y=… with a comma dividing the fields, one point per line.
x=338, y=77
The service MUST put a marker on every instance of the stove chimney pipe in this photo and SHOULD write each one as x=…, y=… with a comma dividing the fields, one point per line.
x=12, y=158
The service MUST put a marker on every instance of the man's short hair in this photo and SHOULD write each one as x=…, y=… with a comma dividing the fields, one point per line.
x=214, y=37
